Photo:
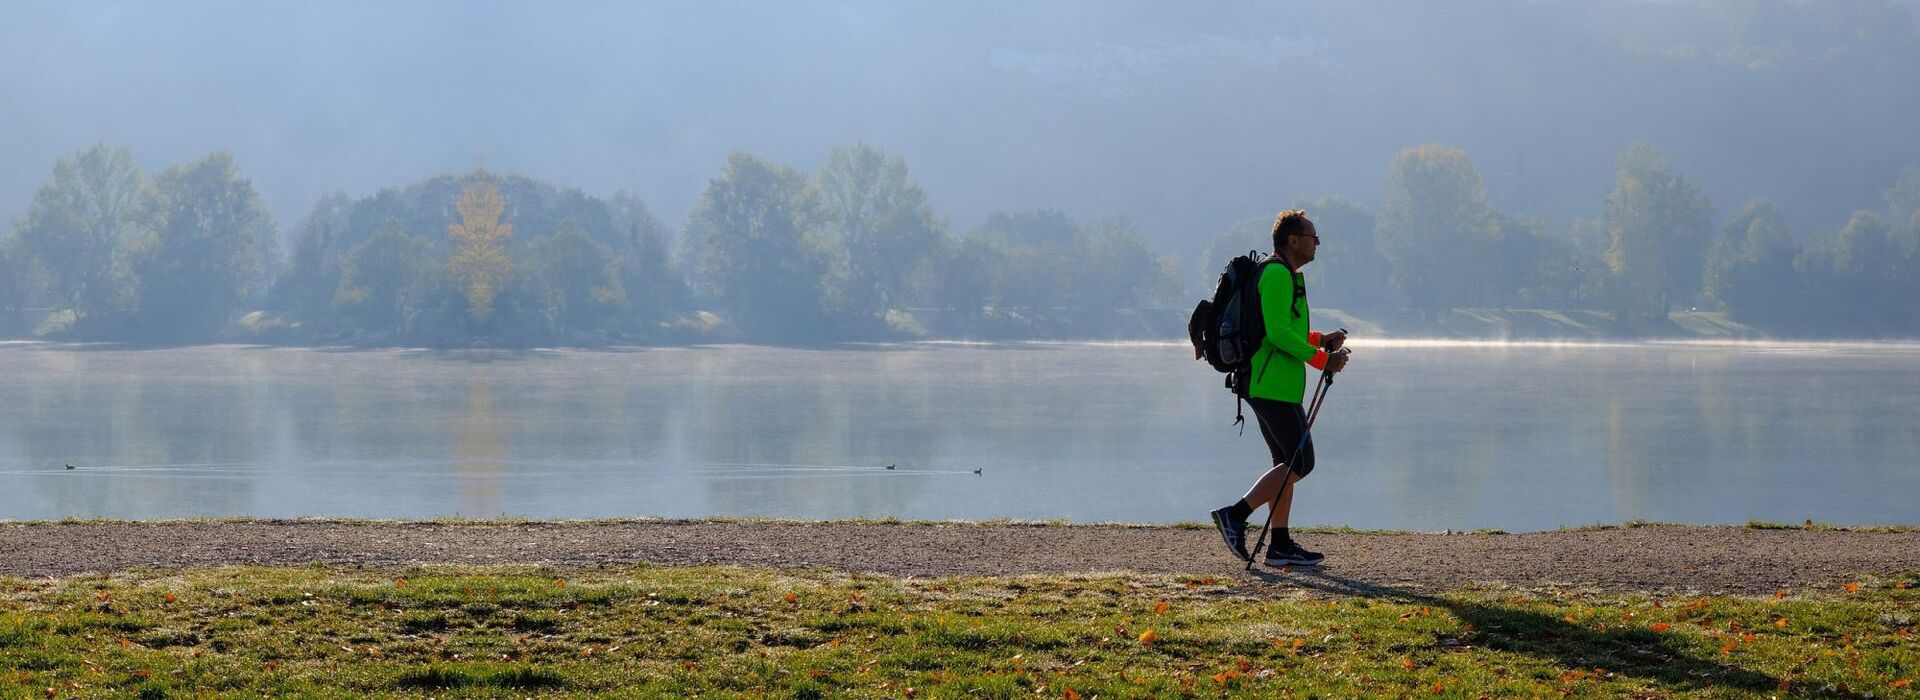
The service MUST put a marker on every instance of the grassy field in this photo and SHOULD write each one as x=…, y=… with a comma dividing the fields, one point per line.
x=644, y=632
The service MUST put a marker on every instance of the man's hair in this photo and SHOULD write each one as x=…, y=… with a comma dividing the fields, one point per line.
x=1291, y=222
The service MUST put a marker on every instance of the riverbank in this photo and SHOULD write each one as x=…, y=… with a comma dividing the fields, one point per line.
x=594, y=621
x=1745, y=560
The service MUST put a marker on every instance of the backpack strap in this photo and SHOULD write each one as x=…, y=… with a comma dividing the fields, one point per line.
x=1238, y=385
x=1299, y=281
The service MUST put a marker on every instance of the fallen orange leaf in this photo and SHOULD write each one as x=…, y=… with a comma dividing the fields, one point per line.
x=1779, y=594
x=1853, y=588
x=1068, y=694
x=399, y=583
x=1661, y=627
x=1297, y=643
x=1437, y=689
x=1220, y=678
x=1727, y=648
x=1902, y=683
x=1242, y=665
x=791, y=598
x=169, y=599
x=1780, y=623
x=1149, y=637
x=1406, y=664
x=560, y=583
x=1747, y=637
x=1901, y=585
x=1161, y=608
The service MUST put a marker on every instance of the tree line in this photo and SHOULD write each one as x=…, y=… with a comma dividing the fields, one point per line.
x=1435, y=245
x=856, y=251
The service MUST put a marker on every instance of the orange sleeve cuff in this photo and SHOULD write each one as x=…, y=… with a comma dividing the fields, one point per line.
x=1313, y=338
x=1319, y=360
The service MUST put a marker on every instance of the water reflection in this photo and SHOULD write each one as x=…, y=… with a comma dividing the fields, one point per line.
x=1420, y=435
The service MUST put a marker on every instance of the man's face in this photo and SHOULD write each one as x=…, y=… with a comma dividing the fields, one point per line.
x=1301, y=247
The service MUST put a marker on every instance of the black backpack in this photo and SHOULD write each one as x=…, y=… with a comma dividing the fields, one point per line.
x=1227, y=329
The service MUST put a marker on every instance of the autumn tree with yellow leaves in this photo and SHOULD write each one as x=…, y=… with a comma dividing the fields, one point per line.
x=479, y=266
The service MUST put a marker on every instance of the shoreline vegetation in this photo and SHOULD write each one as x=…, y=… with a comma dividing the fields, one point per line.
x=856, y=252
x=352, y=627
x=1163, y=325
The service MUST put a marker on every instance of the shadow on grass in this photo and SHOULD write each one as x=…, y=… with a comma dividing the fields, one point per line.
x=1629, y=651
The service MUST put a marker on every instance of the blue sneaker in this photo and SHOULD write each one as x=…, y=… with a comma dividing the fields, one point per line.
x=1233, y=532
x=1292, y=554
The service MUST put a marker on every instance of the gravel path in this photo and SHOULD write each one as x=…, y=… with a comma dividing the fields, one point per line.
x=1652, y=558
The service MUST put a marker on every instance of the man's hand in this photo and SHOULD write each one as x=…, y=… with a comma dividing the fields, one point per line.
x=1336, y=362
x=1334, y=341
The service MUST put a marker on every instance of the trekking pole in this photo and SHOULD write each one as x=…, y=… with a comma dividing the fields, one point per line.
x=1313, y=414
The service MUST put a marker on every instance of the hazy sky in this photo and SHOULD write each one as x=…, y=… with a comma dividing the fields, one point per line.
x=1182, y=117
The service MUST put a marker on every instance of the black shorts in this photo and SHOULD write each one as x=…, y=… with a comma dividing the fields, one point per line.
x=1282, y=424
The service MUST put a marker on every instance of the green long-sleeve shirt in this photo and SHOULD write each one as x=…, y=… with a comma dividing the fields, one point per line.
x=1279, y=366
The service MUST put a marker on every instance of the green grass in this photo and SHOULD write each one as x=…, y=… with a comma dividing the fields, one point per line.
x=639, y=631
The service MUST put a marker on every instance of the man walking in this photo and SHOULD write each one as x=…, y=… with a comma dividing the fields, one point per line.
x=1276, y=389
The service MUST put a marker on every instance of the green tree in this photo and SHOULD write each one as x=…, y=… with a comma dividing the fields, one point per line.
x=1657, y=223
x=1592, y=279
x=582, y=279
x=1348, y=271
x=883, y=224
x=1434, y=220
x=307, y=289
x=79, y=225
x=963, y=274
x=208, y=233
x=1869, y=290
x=381, y=280
x=749, y=237
x=1528, y=267
x=646, y=272
x=1749, y=269
x=1037, y=249
x=1112, y=268
x=15, y=287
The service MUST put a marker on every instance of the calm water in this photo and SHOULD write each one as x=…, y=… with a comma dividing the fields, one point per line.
x=1416, y=435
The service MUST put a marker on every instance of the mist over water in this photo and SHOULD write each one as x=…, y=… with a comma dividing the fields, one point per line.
x=1418, y=435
